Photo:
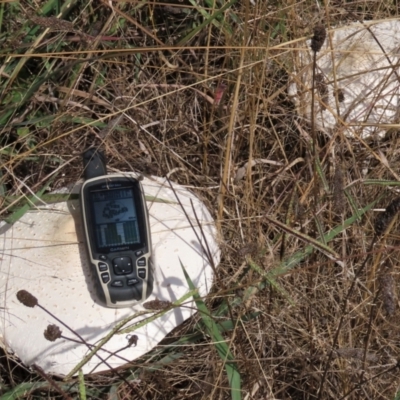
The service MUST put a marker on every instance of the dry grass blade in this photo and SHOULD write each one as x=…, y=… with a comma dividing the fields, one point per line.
x=307, y=239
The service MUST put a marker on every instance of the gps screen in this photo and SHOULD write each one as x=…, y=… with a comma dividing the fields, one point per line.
x=114, y=216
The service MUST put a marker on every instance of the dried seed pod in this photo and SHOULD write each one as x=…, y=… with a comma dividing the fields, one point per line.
x=340, y=95
x=357, y=354
x=132, y=340
x=53, y=23
x=388, y=293
x=110, y=126
x=338, y=198
x=383, y=220
x=248, y=248
x=27, y=299
x=156, y=304
x=52, y=333
x=322, y=89
x=318, y=39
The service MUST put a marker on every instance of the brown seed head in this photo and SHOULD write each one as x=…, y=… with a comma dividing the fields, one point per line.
x=388, y=289
x=322, y=89
x=340, y=95
x=156, y=304
x=52, y=333
x=27, y=299
x=319, y=38
x=132, y=340
x=338, y=194
x=53, y=23
x=384, y=219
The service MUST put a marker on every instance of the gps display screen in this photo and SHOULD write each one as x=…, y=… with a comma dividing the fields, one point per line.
x=115, y=218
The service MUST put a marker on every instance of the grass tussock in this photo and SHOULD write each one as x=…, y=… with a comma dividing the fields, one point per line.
x=197, y=91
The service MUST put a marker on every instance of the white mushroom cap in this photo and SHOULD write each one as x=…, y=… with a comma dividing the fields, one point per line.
x=357, y=79
x=42, y=254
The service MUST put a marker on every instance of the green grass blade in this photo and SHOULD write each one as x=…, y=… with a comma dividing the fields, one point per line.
x=205, y=14
x=352, y=202
x=118, y=329
x=82, y=388
x=219, y=342
x=113, y=392
x=22, y=390
x=300, y=255
x=195, y=31
x=226, y=326
x=138, y=325
x=321, y=174
x=320, y=229
x=380, y=182
x=292, y=261
x=2, y=185
x=270, y=280
x=1, y=16
x=316, y=243
x=172, y=355
x=31, y=201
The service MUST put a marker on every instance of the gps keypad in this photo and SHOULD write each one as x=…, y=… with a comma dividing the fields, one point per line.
x=122, y=265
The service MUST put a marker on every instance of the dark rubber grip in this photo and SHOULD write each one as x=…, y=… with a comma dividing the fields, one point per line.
x=94, y=163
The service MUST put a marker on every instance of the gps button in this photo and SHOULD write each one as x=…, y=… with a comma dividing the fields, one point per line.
x=141, y=262
x=103, y=267
x=105, y=277
x=142, y=273
x=117, y=283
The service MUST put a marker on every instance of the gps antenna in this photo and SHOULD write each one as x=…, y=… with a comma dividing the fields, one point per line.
x=94, y=163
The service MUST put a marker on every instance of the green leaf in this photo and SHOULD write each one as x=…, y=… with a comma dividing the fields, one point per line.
x=218, y=340
x=24, y=131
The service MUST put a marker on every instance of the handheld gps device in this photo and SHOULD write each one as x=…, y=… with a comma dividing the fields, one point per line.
x=117, y=233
